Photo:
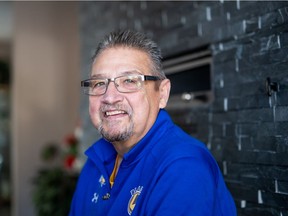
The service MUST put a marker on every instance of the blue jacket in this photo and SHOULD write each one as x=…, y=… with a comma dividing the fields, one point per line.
x=167, y=173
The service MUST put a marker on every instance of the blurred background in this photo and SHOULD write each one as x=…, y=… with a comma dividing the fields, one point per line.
x=227, y=61
x=39, y=90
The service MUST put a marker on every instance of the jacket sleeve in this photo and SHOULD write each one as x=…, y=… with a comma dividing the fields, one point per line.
x=189, y=186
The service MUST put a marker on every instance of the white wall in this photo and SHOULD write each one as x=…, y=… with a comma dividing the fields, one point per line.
x=45, y=87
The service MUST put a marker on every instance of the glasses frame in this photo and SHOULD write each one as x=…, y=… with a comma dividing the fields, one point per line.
x=86, y=83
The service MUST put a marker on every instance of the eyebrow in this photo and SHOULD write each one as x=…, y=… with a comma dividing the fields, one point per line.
x=98, y=76
x=124, y=73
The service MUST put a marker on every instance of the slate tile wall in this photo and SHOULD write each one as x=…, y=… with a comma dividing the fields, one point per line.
x=245, y=129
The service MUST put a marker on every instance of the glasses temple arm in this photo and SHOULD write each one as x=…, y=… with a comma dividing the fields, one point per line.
x=151, y=77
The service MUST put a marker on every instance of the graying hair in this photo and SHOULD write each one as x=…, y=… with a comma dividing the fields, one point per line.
x=137, y=40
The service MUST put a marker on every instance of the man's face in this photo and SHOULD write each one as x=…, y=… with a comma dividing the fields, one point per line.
x=124, y=118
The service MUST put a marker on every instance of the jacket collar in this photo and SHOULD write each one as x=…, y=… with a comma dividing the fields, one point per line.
x=105, y=152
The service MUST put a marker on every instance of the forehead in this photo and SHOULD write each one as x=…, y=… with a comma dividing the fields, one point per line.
x=118, y=60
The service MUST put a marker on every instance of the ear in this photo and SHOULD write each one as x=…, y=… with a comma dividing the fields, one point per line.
x=164, y=90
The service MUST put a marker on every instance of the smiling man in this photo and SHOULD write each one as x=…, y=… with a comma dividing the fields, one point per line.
x=143, y=164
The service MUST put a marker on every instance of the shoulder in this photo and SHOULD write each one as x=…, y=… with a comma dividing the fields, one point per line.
x=177, y=144
x=178, y=147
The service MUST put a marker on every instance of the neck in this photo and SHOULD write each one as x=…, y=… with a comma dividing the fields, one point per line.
x=122, y=147
x=121, y=150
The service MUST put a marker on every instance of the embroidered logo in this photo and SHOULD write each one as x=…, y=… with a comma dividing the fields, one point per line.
x=102, y=181
x=95, y=198
x=135, y=193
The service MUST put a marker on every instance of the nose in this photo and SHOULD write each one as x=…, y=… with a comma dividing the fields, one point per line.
x=112, y=95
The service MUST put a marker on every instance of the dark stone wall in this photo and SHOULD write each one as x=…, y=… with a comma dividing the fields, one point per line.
x=245, y=129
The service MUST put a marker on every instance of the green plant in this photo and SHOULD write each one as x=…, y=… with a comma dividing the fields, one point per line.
x=55, y=184
x=53, y=192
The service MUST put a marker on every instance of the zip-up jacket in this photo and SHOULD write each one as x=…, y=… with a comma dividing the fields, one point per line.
x=167, y=173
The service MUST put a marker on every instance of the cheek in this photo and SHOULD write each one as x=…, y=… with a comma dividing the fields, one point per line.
x=144, y=109
x=93, y=111
x=91, y=108
x=93, y=105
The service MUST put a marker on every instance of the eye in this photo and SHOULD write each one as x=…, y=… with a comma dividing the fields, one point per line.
x=97, y=83
x=130, y=80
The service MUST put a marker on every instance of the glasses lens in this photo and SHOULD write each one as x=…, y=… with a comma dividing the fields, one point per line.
x=129, y=83
x=124, y=84
x=96, y=86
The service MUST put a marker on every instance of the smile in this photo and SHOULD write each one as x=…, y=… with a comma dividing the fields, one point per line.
x=114, y=112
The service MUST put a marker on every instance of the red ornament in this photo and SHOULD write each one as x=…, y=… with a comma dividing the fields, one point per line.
x=69, y=161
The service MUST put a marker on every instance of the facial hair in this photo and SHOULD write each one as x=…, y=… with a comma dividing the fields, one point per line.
x=122, y=134
x=119, y=136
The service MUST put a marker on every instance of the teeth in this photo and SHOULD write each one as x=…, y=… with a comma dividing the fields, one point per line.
x=116, y=112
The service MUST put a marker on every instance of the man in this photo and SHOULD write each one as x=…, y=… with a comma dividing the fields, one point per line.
x=144, y=164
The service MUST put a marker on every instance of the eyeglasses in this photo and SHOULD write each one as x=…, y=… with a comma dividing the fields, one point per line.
x=124, y=84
